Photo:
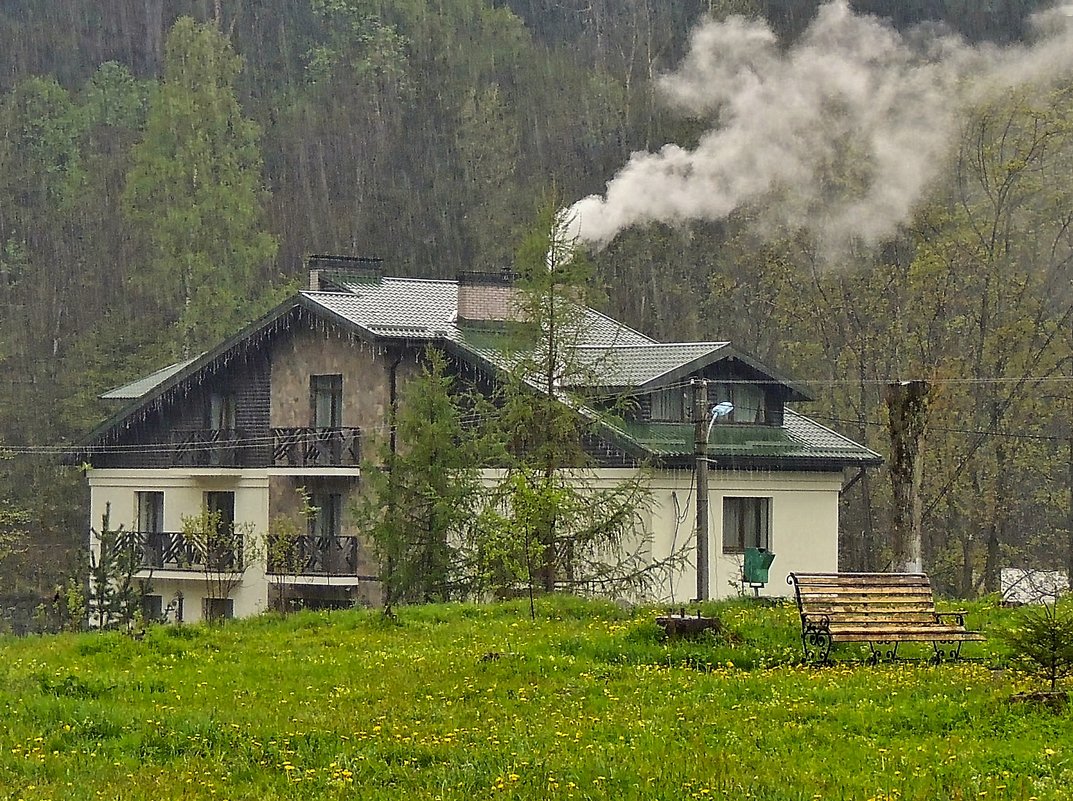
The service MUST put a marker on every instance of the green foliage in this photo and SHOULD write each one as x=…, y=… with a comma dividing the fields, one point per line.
x=14, y=527
x=1042, y=640
x=113, y=592
x=424, y=494
x=281, y=545
x=573, y=529
x=584, y=702
x=196, y=194
x=220, y=549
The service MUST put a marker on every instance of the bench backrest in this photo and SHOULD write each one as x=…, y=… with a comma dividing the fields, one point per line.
x=889, y=597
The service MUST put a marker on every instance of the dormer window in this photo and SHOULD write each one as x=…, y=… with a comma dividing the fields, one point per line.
x=748, y=401
x=670, y=405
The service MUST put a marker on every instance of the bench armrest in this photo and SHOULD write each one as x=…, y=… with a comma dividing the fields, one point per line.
x=958, y=616
x=811, y=622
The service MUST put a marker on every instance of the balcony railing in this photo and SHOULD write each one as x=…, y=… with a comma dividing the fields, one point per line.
x=316, y=447
x=211, y=447
x=310, y=555
x=176, y=550
x=277, y=447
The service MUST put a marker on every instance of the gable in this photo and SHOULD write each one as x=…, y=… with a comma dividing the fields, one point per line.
x=401, y=314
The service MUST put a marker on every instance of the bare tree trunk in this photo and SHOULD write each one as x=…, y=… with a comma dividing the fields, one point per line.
x=154, y=34
x=1069, y=518
x=907, y=405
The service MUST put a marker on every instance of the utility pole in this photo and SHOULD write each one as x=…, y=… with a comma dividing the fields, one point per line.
x=700, y=442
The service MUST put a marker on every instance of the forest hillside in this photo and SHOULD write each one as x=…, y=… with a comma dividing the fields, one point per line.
x=901, y=208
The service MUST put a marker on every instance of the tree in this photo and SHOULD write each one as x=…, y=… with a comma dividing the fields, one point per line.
x=222, y=550
x=424, y=498
x=283, y=548
x=114, y=595
x=577, y=531
x=1042, y=640
x=195, y=192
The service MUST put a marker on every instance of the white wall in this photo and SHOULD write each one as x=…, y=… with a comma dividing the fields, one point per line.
x=804, y=527
x=184, y=490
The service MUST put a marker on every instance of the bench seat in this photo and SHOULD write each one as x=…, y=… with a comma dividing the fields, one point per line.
x=881, y=609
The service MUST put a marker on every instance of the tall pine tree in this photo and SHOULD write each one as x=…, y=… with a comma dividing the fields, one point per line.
x=196, y=193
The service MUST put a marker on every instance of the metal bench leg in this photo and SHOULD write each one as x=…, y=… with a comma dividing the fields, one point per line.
x=816, y=642
x=890, y=652
x=951, y=651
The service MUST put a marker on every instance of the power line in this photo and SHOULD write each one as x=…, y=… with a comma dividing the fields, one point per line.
x=944, y=430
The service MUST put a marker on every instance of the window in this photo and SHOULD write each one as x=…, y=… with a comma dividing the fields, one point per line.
x=218, y=608
x=223, y=552
x=670, y=405
x=325, y=523
x=150, y=512
x=152, y=608
x=151, y=527
x=222, y=504
x=220, y=414
x=326, y=394
x=746, y=524
x=749, y=402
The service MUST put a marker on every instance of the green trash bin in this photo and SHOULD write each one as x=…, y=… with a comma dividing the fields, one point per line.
x=757, y=562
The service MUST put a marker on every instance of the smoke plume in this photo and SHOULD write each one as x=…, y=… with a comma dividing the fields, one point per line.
x=842, y=133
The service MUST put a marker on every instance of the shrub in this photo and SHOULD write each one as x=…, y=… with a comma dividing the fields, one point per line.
x=1042, y=641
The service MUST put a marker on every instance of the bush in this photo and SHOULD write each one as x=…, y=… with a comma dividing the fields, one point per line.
x=1042, y=641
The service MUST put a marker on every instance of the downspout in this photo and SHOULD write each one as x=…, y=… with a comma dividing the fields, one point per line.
x=849, y=484
x=393, y=409
x=393, y=401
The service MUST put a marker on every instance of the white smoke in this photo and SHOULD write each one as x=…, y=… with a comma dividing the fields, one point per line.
x=842, y=133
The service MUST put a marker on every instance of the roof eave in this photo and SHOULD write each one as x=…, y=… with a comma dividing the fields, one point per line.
x=286, y=307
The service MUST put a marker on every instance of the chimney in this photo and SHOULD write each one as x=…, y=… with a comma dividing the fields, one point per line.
x=486, y=297
x=331, y=273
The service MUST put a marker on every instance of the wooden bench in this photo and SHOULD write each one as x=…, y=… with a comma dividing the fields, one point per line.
x=881, y=609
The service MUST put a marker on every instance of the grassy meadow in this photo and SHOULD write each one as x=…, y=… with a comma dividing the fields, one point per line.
x=479, y=702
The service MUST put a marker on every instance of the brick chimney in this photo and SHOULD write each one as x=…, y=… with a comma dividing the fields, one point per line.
x=486, y=297
x=328, y=273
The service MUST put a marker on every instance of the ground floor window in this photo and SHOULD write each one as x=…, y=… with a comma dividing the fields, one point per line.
x=152, y=608
x=218, y=608
x=746, y=524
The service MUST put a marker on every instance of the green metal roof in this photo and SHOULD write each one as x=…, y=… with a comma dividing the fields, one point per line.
x=799, y=439
x=416, y=310
x=141, y=386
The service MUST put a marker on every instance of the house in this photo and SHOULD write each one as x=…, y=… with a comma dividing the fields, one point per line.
x=285, y=406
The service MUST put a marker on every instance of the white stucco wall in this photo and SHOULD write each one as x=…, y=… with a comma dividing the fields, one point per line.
x=115, y=490
x=804, y=527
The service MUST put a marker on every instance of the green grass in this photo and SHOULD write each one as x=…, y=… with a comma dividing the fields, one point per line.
x=475, y=702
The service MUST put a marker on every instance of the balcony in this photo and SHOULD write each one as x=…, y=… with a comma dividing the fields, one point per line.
x=176, y=550
x=212, y=447
x=316, y=447
x=303, y=447
x=311, y=555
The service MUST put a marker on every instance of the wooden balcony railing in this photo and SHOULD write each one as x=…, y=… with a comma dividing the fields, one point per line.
x=211, y=447
x=176, y=550
x=277, y=447
x=316, y=447
x=310, y=555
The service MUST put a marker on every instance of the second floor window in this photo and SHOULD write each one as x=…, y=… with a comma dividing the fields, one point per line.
x=671, y=405
x=326, y=394
x=326, y=521
x=150, y=511
x=221, y=412
x=748, y=400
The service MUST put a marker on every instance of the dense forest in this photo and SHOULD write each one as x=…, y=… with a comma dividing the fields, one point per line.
x=166, y=167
